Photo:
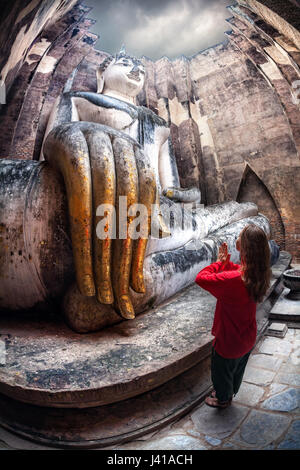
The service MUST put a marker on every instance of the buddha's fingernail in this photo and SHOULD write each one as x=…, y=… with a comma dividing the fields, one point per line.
x=105, y=296
x=137, y=284
x=88, y=286
x=126, y=308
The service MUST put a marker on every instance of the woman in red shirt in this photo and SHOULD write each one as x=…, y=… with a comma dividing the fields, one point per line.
x=237, y=288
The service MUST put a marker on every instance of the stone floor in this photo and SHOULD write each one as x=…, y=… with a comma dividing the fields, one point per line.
x=265, y=414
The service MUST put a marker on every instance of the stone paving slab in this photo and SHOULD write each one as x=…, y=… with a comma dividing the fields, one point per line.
x=258, y=376
x=176, y=442
x=219, y=423
x=272, y=346
x=230, y=446
x=292, y=438
x=249, y=394
x=289, y=366
x=262, y=428
x=295, y=357
x=213, y=441
x=276, y=388
x=285, y=401
x=265, y=361
x=289, y=379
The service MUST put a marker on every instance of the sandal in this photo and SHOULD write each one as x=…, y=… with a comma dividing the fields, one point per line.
x=213, y=395
x=215, y=403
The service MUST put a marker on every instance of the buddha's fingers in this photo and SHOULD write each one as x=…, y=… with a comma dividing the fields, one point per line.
x=147, y=197
x=127, y=194
x=66, y=150
x=104, y=188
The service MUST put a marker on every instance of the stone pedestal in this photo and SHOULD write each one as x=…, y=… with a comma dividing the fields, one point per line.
x=285, y=308
x=94, y=390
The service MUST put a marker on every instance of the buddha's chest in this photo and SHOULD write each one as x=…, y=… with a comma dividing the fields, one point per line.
x=116, y=118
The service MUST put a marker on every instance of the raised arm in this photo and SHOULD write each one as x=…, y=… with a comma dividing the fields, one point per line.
x=169, y=178
x=64, y=110
x=214, y=279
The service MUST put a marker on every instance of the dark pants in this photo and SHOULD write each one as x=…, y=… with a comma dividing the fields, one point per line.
x=227, y=374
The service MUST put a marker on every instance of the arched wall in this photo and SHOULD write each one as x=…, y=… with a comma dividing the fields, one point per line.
x=251, y=187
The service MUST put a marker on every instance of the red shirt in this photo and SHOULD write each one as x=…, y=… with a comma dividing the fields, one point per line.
x=234, y=325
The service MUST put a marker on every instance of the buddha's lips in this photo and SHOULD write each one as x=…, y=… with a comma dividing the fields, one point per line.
x=134, y=76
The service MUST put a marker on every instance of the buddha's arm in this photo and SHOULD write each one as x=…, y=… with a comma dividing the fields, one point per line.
x=169, y=178
x=64, y=110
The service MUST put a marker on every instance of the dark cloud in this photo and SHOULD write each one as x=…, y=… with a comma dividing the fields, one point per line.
x=159, y=27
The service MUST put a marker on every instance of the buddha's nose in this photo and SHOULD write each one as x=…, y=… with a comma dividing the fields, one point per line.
x=135, y=68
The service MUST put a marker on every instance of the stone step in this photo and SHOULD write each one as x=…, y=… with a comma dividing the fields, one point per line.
x=117, y=423
x=285, y=308
x=277, y=329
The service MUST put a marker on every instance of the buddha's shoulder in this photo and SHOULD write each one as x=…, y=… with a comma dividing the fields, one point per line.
x=149, y=115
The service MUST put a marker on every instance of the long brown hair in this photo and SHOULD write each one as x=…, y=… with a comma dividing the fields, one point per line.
x=255, y=260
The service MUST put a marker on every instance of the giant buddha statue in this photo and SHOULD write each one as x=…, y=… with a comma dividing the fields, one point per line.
x=63, y=227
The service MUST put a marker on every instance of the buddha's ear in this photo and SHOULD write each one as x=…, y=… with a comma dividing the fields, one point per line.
x=100, y=80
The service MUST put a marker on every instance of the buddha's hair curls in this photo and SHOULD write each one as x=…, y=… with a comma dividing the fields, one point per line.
x=103, y=66
x=255, y=260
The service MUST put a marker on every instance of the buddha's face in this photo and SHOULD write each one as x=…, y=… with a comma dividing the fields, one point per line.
x=125, y=75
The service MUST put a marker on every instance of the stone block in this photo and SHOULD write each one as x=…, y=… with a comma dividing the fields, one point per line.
x=275, y=346
x=213, y=441
x=276, y=388
x=288, y=378
x=265, y=361
x=249, y=394
x=258, y=376
x=277, y=329
x=285, y=401
x=230, y=446
x=175, y=442
x=218, y=423
x=291, y=440
x=261, y=428
x=286, y=308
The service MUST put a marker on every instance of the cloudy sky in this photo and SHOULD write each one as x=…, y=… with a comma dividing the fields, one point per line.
x=155, y=28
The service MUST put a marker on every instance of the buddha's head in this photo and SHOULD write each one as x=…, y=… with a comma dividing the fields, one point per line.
x=122, y=73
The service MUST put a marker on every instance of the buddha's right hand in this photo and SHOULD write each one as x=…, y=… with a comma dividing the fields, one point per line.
x=187, y=195
x=98, y=166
